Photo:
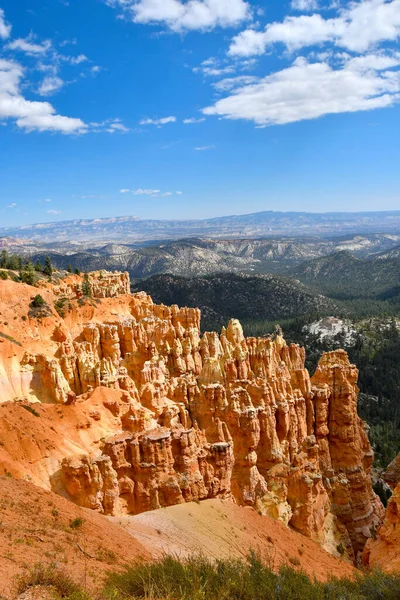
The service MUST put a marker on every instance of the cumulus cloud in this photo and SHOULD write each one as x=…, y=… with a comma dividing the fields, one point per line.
x=50, y=85
x=158, y=122
x=124, y=191
x=179, y=15
x=357, y=28
x=5, y=28
x=308, y=91
x=28, y=115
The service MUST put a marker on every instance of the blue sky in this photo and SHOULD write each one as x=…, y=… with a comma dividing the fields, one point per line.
x=197, y=108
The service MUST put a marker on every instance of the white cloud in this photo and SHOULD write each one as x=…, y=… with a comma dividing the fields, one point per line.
x=110, y=126
x=202, y=148
x=141, y=192
x=124, y=191
x=304, y=5
x=192, y=121
x=74, y=60
x=28, y=46
x=48, y=200
x=95, y=69
x=225, y=85
x=308, y=91
x=213, y=68
x=13, y=205
x=179, y=193
x=5, y=28
x=357, y=28
x=117, y=127
x=179, y=16
x=149, y=192
x=28, y=115
x=158, y=122
x=50, y=85
x=53, y=212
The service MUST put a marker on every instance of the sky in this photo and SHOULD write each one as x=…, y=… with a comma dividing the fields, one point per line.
x=168, y=109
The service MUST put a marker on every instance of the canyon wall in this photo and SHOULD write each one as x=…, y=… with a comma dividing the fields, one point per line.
x=383, y=549
x=192, y=417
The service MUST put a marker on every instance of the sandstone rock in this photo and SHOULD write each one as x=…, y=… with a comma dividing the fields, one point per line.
x=217, y=416
x=384, y=550
x=392, y=473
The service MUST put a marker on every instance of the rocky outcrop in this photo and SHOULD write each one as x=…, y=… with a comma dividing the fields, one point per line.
x=383, y=550
x=102, y=285
x=392, y=474
x=212, y=416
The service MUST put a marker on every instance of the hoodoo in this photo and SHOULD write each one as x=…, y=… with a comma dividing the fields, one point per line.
x=139, y=411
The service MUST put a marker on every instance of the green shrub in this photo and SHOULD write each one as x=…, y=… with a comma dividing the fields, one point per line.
x=199, y=578
x=37, y=302
x=76, y=523
x=3, y=275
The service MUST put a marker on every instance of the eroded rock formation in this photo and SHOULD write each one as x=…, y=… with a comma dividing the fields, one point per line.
x=383, y=550
x=212, y=416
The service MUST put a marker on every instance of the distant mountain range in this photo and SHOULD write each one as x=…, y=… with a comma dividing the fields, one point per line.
x=343, y=273
x=198, y=257
x=131, y=229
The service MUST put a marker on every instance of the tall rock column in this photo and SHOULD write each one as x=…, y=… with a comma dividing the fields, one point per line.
x=348, y=456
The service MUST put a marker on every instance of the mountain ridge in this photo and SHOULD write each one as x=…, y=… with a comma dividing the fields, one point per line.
x=264, y=223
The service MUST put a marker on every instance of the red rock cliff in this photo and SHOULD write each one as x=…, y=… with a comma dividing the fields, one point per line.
x=217, y=416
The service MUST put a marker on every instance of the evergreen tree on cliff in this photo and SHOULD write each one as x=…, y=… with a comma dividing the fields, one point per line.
x=48, y=268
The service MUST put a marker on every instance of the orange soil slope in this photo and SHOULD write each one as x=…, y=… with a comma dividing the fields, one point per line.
x=221, y=529
x=35, y=526
x=32, y=446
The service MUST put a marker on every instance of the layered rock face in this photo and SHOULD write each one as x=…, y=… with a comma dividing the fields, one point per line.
x=383, y=550
x=102, y=285
x=217, y=416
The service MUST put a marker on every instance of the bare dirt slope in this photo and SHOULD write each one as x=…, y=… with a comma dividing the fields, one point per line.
x=39, y=526
x=221, y=529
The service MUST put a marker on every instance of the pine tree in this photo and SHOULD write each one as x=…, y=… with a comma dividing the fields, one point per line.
x=4, y=259
x=69, y=268
x=27, y=275
x=38, y=266
x=86, y=287
x=48, y=268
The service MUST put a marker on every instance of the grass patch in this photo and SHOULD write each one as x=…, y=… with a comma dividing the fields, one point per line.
x=199, y=578
x=76, y=523
x=59, y=582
